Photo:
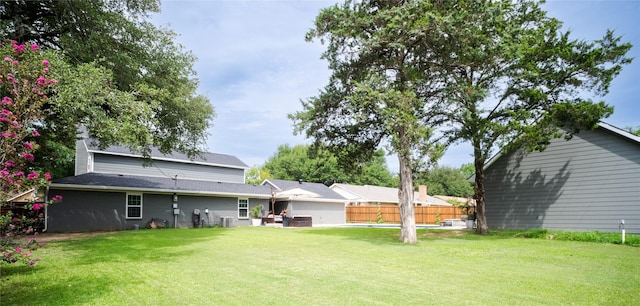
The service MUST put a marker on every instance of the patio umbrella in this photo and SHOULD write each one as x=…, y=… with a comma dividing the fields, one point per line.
x=296, y=192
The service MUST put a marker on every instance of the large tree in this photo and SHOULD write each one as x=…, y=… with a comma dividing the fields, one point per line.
x=514, y=78
x=139, y=62
x=301, y=162
x=370, y=99
x=499, y=74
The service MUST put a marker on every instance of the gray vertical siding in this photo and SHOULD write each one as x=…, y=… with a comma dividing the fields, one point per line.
x=82, y=211
x=588, y=183
x=116, y=164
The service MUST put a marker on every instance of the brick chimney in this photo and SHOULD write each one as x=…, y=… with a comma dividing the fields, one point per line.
x=422, y=193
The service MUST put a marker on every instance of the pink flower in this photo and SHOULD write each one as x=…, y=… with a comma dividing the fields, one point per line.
x=19, y=48
x=45, y=63
x=10, y=76
x=18, y=250
x=32, y=176
x=35, y=133
x=52, y=81
x=7, y=100
x=34, y=47
x=36, y=206
x=46, y=70
x=8, y=135
x=42, y=81
x=47, y=176
x=8, y=59
x=9, y=163
x=31, y=262
x=56, y=198
x=28, y=156
x=28, y=145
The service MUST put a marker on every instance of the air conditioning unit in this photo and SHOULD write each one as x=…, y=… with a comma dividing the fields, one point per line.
x=226, y=221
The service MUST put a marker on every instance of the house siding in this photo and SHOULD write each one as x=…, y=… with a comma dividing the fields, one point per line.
x=589, y=183
x=82, y=158
x=82, y=211
x=321, y=213
x=104, y=163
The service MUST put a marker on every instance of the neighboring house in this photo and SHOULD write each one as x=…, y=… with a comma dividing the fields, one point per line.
x=18, y=204
x=375, y=195
x=313, y=200
x=113, y=190
x=589, y=183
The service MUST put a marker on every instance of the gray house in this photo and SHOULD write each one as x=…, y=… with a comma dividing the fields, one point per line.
x=113, y=190
x=589, y=183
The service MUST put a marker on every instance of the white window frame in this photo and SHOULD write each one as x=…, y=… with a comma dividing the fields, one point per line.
x=127, y=206
x=243, y=201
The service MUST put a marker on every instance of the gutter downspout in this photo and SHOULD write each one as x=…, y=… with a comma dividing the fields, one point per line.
x=46, y=209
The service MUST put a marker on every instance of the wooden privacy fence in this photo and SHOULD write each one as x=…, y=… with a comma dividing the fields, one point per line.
x=391, y=213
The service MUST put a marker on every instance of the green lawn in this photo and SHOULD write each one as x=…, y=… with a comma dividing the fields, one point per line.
x=322, y=266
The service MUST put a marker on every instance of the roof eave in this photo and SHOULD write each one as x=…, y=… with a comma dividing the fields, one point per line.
x=162, y=190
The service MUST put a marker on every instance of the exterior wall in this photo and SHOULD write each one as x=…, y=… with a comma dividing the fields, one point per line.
x=320, y=212
x=82, y=211
x=589, y=183
x=82, y=158
x=218, y=207
x=104, y=163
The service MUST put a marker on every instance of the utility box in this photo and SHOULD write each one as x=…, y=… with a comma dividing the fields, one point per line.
x=226, y=221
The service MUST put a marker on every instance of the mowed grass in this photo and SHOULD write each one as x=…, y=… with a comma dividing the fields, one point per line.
x=322, y=266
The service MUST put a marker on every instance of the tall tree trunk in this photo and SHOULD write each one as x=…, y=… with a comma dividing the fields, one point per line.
x=405, y=196
x=481, y=218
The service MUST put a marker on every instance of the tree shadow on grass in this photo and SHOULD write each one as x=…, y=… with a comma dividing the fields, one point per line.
x=377, y=236
x=391, y=236
x=23, y=285
x=137, y=246
x=72, y=290
x=140, y=246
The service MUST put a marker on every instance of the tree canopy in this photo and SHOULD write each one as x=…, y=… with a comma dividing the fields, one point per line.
x=498, y=74
x=445, y=181
x=300, y=162
x=121, y=77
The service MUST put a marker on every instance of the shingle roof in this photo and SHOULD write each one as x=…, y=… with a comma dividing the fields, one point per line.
x=318, y=188
x=368, y=193
x=206, y=158
x=161, y=184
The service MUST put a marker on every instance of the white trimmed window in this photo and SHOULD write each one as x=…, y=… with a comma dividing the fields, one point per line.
x=134, y=206
x=243, y=208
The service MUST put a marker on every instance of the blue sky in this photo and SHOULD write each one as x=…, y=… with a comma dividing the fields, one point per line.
x=255, y=66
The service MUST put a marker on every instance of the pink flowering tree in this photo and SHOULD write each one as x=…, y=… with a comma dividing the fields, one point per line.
x=25, y=84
